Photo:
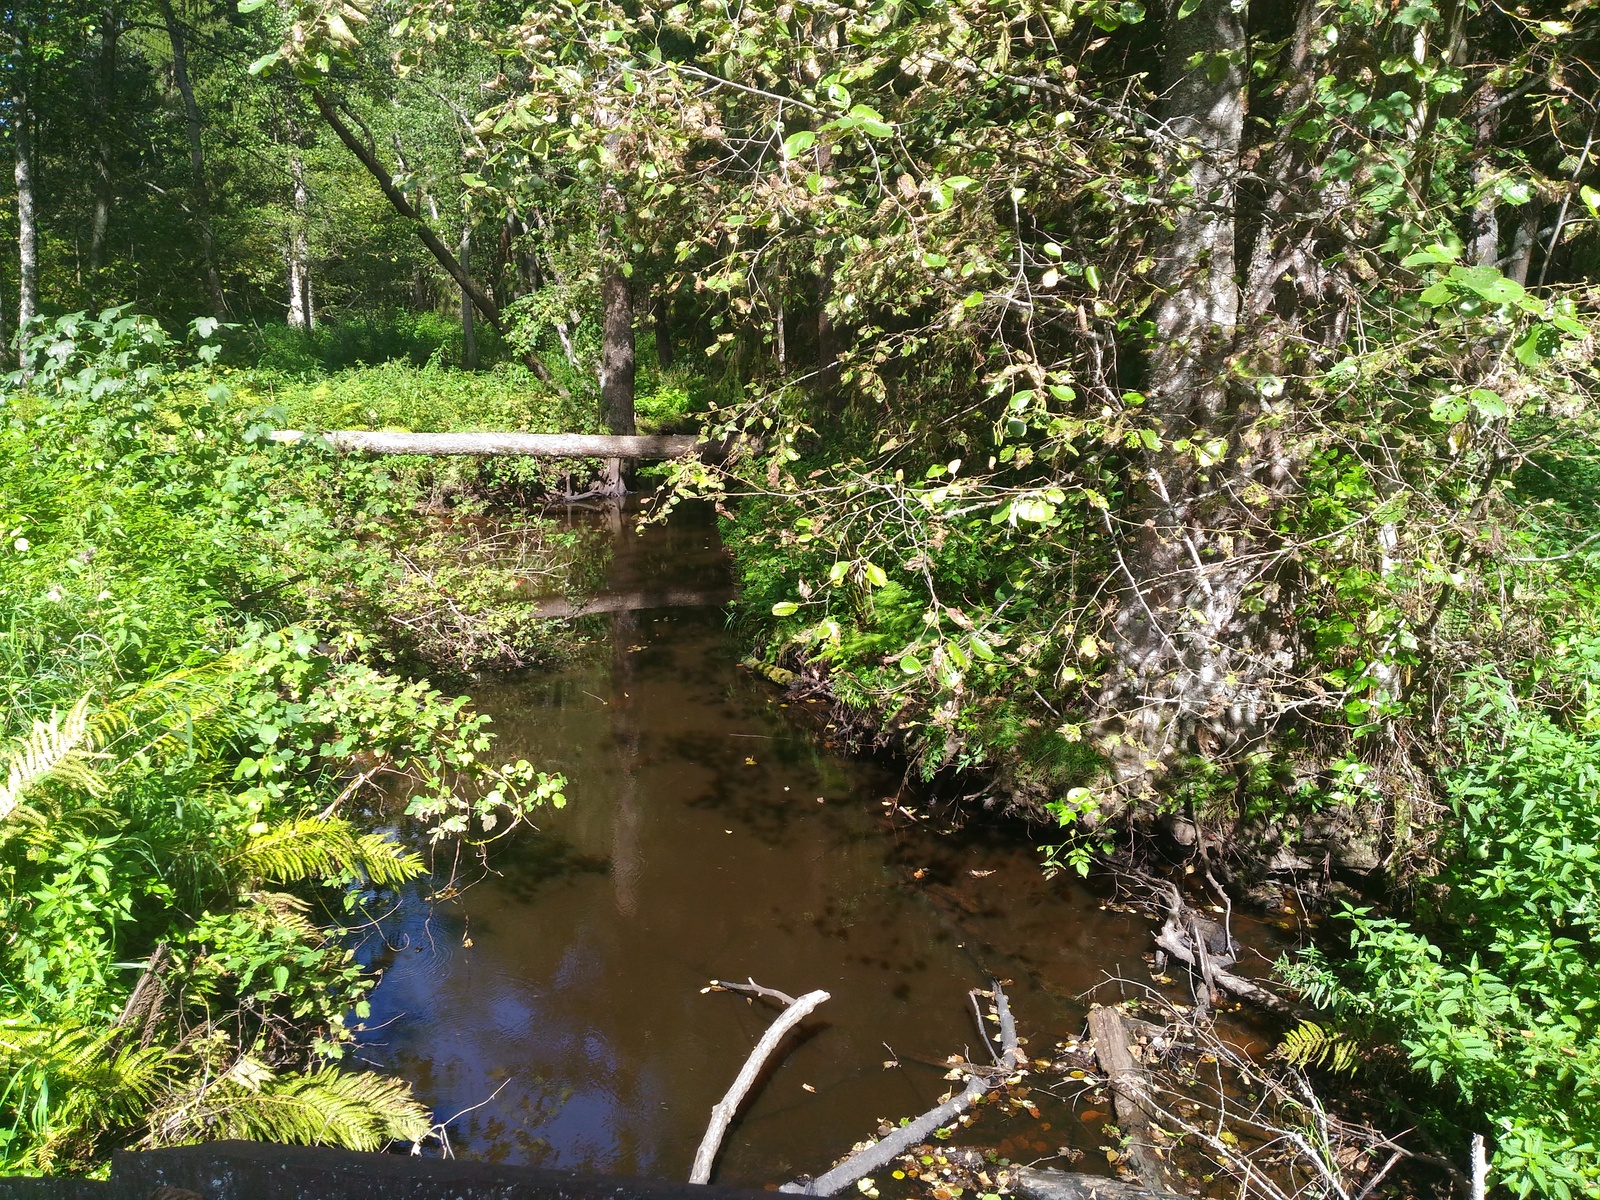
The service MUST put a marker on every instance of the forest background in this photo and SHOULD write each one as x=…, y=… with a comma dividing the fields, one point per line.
x=1181, y=421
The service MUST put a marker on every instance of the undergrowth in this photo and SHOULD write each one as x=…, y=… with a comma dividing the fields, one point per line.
x=198, y=637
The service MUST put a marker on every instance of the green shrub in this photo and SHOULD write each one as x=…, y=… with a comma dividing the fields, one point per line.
x=193, y=626
x=1493, y=992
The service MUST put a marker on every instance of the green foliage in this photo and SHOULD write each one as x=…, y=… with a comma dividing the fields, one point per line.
x=1493, y=992
x=363, y=339
x=197, y=711
x=1309, y=1044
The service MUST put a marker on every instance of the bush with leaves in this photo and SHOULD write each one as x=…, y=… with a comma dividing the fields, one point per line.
x=199, y=735
x=1492, y=992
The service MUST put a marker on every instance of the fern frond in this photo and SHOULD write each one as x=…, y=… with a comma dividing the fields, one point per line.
x=355, y=1110
x=69, y=1085
x=183, y=712
x=60, y=747
x=325, y=848
x=1312, y=1045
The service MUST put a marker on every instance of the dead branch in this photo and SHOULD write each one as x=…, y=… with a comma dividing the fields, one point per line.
x=723, y=1113
x=897, y=1143
x=749, y=988
x=1187, y=937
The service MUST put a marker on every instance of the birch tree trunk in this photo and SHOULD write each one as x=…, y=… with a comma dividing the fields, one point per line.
x=201, y=192
x=27, y=200
x=469, y=335
x=302, y=308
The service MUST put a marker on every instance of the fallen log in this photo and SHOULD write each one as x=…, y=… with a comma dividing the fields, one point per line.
x=615, y=602
x=722, y=1113
x=1114, y=1053
x=536, y=445
x=1038, y=1183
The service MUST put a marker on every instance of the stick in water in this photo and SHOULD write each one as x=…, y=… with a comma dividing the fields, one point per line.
x=883, y=1152
x=722, y=1115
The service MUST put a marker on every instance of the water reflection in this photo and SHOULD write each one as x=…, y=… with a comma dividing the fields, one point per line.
x=708, y=835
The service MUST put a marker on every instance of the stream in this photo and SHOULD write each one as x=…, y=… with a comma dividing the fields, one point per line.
x=554, y=1008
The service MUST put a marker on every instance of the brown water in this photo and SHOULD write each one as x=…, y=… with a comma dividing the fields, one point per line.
x=712, y=833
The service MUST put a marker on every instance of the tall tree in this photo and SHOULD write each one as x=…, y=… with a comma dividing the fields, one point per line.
x=104, y=144
x=194, y=127
x=297, y=249
x=1178, y=653
x=22, y=122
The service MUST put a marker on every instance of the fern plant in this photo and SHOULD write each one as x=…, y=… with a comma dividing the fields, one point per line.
x=1312, y=1045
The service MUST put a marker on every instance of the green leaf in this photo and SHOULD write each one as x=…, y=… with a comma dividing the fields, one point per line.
x=870, y=121
x=265, y=61
x=875, y=575
x=798, y=143
x=910, y=664
x=785, y=608
x=1489, y=404
x=1436, y=254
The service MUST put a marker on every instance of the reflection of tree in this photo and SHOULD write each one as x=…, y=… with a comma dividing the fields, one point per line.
x=626, y=861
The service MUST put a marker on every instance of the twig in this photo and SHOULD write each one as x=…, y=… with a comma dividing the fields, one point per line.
x=723, y=1113
x=749, y=988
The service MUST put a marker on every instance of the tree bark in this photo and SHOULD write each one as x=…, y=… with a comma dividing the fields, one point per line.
x=469, y=335
x=302, y=309
x=665, y=355
x=27, y=199
x=1523, y=242
x=105, y=107
x=197, y=158
x=1483, y=237
x=616, y=354
x=1174, y=624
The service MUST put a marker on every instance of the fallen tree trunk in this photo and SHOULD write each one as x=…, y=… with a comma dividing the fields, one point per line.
x=537, y=445
x=1045, y=1184
x=1127, y=1078
x=615, y=602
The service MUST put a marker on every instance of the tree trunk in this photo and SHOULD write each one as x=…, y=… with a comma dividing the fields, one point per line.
x=827, y=341
x=1523, y=242
x=21, y=121
x=197, y=158
x=105, y=107
x=665, y=355
x=397, y=199
x=1175, y=639
x=469, y=336
x=302, y=310
x=616, y=354
x=1483, y=237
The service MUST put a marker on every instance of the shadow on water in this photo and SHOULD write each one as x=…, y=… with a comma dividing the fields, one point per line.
x=709, y=834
